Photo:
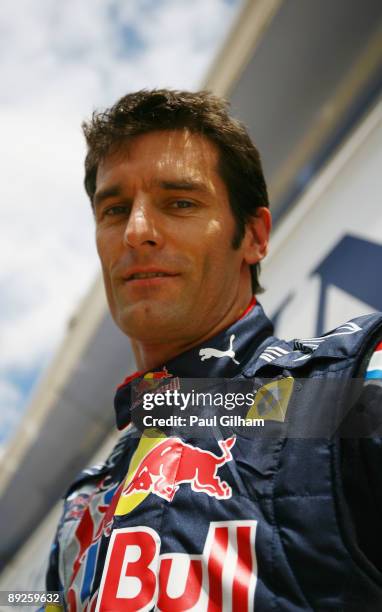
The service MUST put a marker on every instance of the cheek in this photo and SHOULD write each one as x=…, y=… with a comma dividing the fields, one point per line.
x=215, y=259
x=105, y=254
x=105, y=250
x=218, y=245
x=214, y=230
x=99, y=243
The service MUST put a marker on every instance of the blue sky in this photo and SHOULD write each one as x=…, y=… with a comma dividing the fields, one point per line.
x=59, y=61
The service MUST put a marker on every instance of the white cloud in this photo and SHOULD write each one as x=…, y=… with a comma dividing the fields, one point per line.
x=58, y=61
x=78, y=53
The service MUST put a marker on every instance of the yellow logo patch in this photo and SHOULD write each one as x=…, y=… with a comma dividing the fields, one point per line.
x=148, y=441
x=271, y=402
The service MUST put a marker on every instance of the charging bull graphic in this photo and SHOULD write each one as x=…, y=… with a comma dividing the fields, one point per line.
x=151, y=380
x=172, y=462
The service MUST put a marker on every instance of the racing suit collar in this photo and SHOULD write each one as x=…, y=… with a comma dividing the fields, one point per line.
x=222, y=356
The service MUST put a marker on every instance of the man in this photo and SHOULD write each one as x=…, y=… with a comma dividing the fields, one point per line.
x=176, y=519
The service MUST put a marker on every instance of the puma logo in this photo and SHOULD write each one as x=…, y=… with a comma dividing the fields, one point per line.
x=207, y=353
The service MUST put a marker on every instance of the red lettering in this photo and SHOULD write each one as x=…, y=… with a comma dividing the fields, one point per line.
x=215, y=569
x=192, y=588
x=129, y=579
x=244, y=570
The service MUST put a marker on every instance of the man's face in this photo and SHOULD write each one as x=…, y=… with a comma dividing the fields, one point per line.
x=164, y=231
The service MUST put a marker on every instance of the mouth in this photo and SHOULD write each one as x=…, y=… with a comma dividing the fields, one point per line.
x=148, y=278
x=149, y=275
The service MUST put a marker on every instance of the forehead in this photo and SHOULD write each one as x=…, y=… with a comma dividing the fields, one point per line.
x=162, y=154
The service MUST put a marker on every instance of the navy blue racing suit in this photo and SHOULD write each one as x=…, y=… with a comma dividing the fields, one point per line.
x=277, y=511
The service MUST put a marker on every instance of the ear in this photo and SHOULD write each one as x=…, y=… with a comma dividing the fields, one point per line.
x=256, y=236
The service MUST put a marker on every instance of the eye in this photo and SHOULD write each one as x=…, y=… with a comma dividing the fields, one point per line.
x=183, y=204
x=113, y=211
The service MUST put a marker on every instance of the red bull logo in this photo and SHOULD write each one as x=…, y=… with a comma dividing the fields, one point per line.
x=158, y=375
x=137, y=577
x=151, y=380
x=172, y=462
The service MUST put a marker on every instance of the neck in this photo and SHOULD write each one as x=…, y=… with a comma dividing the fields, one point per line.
x=151, y=356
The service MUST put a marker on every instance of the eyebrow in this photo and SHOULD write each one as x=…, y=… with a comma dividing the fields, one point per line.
x=170, y=185
x=182, y=185
x=108, y=192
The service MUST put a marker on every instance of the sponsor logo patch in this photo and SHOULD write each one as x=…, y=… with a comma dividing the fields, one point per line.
x=272, y=400
x=161, y=465
x=208, y=352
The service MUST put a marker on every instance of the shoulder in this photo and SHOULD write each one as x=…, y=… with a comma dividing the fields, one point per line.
x=360, y=447
x=351, y=338
x=371, y=365
x=366, y=417
x=349, y=341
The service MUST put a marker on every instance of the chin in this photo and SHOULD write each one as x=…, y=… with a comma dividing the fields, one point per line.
x=146, y=324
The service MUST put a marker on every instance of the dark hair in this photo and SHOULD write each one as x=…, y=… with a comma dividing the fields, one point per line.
x=200, y=112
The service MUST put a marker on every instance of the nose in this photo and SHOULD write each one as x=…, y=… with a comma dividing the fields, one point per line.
x=142, y=227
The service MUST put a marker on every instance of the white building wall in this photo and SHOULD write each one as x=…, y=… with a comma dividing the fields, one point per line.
x=344, y=201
